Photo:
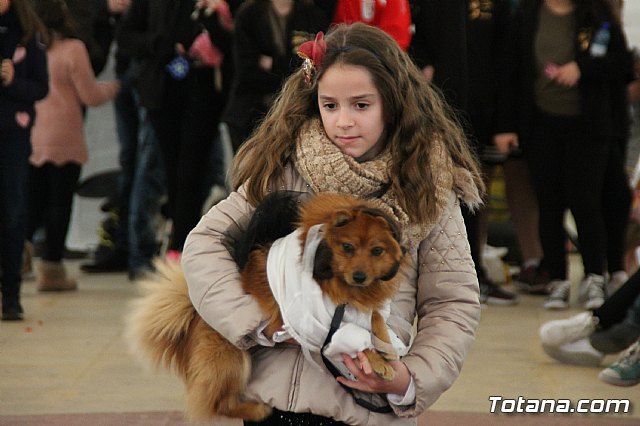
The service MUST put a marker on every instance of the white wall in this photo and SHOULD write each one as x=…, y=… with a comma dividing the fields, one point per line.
x=631, y=20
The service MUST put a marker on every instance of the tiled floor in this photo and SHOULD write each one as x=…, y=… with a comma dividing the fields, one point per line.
x=67, y=364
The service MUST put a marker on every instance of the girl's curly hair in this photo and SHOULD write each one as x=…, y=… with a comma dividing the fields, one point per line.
x=414, y=111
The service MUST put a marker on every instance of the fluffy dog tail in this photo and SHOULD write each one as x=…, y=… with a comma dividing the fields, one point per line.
x=165, y=329
x=157, y=326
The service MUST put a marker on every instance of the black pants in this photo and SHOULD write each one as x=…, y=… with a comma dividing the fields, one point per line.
x=51, y=190
x=617, y=204
x=185, y=126
x=283, y=418
x=568, y=166
x=616, y=306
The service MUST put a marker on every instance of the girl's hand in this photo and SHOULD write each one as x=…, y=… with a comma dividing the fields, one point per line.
x=265, y=63
x=428, y=72
x=369, y=381
x=118, y=6
x=505, y=142
x=7, y=72
x=568, y=74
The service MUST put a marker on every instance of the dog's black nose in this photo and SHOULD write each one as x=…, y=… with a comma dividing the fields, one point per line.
x=359, y=277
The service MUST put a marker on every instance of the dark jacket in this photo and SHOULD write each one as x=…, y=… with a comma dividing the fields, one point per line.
x=148, y=33
x=487, y=26
x=602, y=80
x=31, y=80
x=253, y=88
x=440, y=40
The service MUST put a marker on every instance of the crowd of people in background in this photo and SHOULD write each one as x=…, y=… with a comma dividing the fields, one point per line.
x=543, y=89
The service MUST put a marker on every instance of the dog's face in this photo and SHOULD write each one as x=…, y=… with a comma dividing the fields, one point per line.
x=359, y=256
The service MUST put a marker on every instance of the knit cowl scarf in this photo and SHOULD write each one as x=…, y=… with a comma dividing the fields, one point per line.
x=326, y=169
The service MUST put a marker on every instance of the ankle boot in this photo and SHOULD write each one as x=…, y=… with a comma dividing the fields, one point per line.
x=53, y=277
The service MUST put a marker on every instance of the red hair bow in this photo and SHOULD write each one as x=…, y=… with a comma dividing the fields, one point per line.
x=313, y=53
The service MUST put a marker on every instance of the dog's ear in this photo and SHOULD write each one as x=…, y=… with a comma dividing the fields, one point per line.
x=392, y=272
x=322, y=262
x=341, y=218
x=393, y=224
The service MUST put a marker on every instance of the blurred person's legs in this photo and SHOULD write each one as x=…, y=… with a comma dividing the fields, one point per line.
x=112, y=253
x=557, y=156
x=14, y=170
x=616, y=206
x=51, y=192
x=544, y=155
x=584, y=191
x=476, y=223
x=585, y=338
x=185, y=126
x=147, y=190
x=523, y=206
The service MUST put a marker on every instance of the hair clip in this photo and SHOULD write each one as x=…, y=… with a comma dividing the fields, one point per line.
x=312, y=53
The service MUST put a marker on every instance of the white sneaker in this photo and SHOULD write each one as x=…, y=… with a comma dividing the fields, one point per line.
x=616, y=280
x=559, y=332
x=559, y=297
x=592, y=291
x=579, y=352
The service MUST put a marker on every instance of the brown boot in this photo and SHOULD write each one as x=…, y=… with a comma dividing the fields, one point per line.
x=53, y=277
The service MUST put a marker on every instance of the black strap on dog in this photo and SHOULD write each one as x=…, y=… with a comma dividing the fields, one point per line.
x=380, y=405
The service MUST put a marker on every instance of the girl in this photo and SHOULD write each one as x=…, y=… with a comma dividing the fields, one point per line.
x=358, y=118
x=23, y=80
x=58, y=143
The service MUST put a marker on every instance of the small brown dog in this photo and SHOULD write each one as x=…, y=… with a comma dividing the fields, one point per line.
x=356, y=263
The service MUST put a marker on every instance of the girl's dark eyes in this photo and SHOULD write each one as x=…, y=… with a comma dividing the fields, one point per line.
x=359, y=105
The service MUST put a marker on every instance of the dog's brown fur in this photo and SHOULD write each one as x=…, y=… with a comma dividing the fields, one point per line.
x=355, y=264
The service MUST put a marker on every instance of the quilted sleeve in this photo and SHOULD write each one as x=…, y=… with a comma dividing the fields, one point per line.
x=448, y=310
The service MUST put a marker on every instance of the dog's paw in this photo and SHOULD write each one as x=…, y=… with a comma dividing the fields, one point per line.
x=385, y=371
x=380, y=366
x=258, y=412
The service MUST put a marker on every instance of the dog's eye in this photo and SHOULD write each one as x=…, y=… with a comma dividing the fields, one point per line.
x=348, y=247
x=377, y=251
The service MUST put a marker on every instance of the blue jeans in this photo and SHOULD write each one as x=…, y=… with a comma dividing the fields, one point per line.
x=141, y=183
x=15, y=148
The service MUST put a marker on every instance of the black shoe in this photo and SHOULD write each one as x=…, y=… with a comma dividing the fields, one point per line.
x=533, y=280
x=12, y=311
x=493, y=294
x=615, y=338
x=115, y=261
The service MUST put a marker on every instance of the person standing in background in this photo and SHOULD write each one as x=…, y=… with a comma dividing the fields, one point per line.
x=439, y=47
x=558, y=106
x=392, y=17
x=23, y=81
x=442, y=47
x=57, y=139
x=180, y=95
x=266, y=36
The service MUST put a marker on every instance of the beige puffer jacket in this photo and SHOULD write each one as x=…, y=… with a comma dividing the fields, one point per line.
x=441, y=288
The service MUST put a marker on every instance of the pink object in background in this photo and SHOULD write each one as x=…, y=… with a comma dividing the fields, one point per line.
x=205, y=51
x=550, y=70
